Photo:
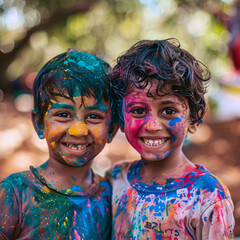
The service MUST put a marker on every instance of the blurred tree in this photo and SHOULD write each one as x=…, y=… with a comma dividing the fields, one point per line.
x=33, y=31
x=51, y=13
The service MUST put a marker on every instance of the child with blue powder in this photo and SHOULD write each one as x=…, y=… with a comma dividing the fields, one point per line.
x=63, y=198
x=160, y=92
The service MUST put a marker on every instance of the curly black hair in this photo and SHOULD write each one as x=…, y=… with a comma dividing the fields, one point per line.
x=164, y=61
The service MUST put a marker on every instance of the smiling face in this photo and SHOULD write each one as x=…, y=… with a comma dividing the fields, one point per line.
x=76, y=131
x=156, y=126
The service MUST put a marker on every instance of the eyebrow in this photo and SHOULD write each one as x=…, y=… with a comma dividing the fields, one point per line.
x=93, y=108
x=166, y=102
x=134, y=103
x=170, y=102
x=66, y=106
x=98, y=106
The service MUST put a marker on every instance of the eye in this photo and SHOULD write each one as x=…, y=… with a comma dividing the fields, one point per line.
x=138, y=111
x=169, y=111
x=94, y=116
x=63, y=115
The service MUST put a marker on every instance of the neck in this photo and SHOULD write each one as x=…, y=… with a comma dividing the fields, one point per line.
x=62, y=177
x=159, y=171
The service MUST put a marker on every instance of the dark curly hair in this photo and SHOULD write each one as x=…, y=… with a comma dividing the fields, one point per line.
x=67, y=71
x=170, y=65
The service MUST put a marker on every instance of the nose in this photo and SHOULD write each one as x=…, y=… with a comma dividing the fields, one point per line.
x=152, y=125
x=79, y=129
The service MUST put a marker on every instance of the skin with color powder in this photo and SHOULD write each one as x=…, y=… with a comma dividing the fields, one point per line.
x=160, y=91
x=156, y=128
x=64, y=198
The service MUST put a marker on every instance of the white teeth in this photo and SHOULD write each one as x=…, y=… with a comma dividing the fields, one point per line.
x=154, y=142
x=76, y=147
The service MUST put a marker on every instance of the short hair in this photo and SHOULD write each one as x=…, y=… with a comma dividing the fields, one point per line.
x=164, y=61
x=67, y=71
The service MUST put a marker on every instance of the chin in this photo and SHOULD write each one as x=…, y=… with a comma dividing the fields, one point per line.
x=152, y=158
x=75, y=162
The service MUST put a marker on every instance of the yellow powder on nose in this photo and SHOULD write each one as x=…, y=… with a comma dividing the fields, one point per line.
x=53, y=144
x=79, y=128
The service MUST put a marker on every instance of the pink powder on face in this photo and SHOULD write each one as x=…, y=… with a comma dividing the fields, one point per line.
x=149, y=118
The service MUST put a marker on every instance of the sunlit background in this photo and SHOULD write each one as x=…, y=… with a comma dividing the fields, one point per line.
x=32, y=32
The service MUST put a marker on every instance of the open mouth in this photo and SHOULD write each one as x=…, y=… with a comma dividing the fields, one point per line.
x=154, y=142
x=76, y=146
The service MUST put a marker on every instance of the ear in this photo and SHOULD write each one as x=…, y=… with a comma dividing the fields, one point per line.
x=112, y=132
x=193, y=127
x=38, y=125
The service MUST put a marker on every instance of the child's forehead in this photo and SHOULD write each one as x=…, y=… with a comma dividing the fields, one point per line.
x=150, y=95
x=77, y=101
x=152, y=88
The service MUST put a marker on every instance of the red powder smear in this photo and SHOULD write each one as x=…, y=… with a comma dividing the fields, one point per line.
x=220, y=216
x=74, y=218
x=172, y=212
x=77, y=237
x=131, y=192
x=88, y=203
x=163, y=182
x=177, y=180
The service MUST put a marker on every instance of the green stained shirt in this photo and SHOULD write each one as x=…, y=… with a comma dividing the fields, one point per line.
x=31, y=209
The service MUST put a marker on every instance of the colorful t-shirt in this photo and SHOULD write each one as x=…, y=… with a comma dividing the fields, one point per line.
x=196, y=206
x=31, y=209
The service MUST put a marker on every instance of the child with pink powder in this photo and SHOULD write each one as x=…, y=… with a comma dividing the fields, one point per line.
x=160, y=91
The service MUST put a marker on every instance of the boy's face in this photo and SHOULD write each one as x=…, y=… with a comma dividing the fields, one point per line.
x=156, y=127
x=76, y=131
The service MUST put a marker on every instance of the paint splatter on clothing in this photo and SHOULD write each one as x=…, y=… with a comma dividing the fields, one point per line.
x=196, y=206
x=31, y=209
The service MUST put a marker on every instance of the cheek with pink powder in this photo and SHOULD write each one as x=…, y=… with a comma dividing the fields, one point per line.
x=131, y=129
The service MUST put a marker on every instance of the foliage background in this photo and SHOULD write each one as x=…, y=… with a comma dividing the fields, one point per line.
x=32, y=32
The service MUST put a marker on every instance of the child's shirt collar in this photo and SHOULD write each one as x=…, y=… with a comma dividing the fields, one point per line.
x=73, y=191
x=171, y=184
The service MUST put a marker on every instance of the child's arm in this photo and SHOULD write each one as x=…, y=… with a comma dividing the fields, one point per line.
x=9, y=211
x=217, y=221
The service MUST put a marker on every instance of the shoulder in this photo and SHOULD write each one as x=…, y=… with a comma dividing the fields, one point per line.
x=16, y=182
x=10, y=188
x=118, y=169
x=209, y=184
x=16, y=178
